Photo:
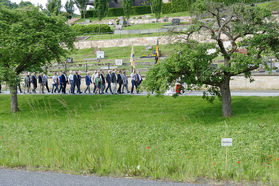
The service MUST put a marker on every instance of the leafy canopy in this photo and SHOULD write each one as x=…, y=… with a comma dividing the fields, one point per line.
x=29, y=39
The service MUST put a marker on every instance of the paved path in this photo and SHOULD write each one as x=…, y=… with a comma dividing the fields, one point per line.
x=193, y=93
x=26, y=178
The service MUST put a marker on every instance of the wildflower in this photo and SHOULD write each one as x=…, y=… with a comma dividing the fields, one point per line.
x=270, y=156
x=148, y=147
x=238, y=162
x=188, y=157
x=48, y=148
x=214, y=164
x=138, y=167
x=0, y=137
x=276, y=159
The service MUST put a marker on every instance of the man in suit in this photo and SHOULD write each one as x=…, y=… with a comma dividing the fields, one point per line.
x=119, y=81
x=34, y=82
x=64, y=81
x=77, y=82
x=103, y=82
x=114, y=81
x=71, y=79
x=60, y=82
x=109, y=79
x=27, y=83
x=135, y=80
x=45, y=81
x=54, y=83
x=40, y=81
x=0, y=87
x=88, y=81
x=125, y=83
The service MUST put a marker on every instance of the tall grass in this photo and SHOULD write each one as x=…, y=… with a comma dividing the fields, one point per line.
x=151, y=137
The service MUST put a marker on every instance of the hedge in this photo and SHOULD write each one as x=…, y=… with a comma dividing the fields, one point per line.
x=89, y=29
x=91, y=13
x=136, y=10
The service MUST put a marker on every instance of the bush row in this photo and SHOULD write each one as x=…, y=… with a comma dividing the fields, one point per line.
x=112, y=12
x=86, y=29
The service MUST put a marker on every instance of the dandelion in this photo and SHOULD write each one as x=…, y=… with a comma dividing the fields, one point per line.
x=238, y=162
x=148, y=147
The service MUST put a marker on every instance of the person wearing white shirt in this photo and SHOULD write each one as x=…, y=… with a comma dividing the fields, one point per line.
x=54, y=83
x=71, y=79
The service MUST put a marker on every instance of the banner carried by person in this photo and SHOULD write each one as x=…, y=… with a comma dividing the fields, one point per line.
x=157, y=52
x=132, y=58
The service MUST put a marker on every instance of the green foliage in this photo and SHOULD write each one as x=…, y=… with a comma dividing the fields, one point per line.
x=135, y=10
x=24, y=4
x=101, y=7
x=89, y=29
x=30, y=39
x=127, y=6
x=188, y=62
x=54, y=7
x=183, y=136
x=82, y=5
x=91, y=13
x=69, y=6
x=157, y=7
x=8, y=4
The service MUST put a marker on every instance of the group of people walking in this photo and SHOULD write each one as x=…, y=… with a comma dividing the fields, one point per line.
x=116, y=82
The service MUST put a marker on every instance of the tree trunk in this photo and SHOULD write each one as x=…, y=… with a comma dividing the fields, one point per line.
x=14, y=103
x=226, y=97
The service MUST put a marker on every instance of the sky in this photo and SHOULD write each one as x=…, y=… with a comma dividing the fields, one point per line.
x=43, y=2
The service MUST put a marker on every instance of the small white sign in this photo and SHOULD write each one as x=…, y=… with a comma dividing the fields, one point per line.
x=226, y=142
x=118, y=62
x=100, y=54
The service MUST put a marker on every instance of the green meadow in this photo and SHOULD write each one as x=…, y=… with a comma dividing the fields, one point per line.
x=166, y=138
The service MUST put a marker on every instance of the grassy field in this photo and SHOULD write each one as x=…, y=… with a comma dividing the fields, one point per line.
x=123, y=36
x=273, y=5
x=150, y=137
x=120, y=52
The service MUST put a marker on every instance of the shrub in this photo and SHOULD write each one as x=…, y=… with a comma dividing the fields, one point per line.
x=136, y=10
x=88, y=29
x=91, y=13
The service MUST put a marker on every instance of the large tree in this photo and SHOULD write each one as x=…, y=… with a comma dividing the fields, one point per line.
x=82, y=5
x=8, y=4
x=101, y=7
x=127, y=7
x=54, y=7
x=30, y=39
x=244, y=27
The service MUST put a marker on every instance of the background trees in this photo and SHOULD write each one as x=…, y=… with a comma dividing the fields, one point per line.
x=69, y=6
x=29, y=39
x=243, y=26
x=127, y=6
x=101, y=7
x=157, y=7
x=82, y=5
x=54, y=6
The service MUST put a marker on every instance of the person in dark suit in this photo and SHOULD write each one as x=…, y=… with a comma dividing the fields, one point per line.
x=64, y=81
x=77, y=82
x=88, y=82
x=0, y=87
x=103, y=82
x=109, y=79
x=34, y=82
x=119, y=81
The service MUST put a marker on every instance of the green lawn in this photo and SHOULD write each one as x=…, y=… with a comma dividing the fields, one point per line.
x=120, y=52
x=123, y=36
x=273, y=5
x=151, y=137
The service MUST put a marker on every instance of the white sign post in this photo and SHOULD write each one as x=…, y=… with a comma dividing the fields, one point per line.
x=226, y=142
x=118, y=62
x=100, y=54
